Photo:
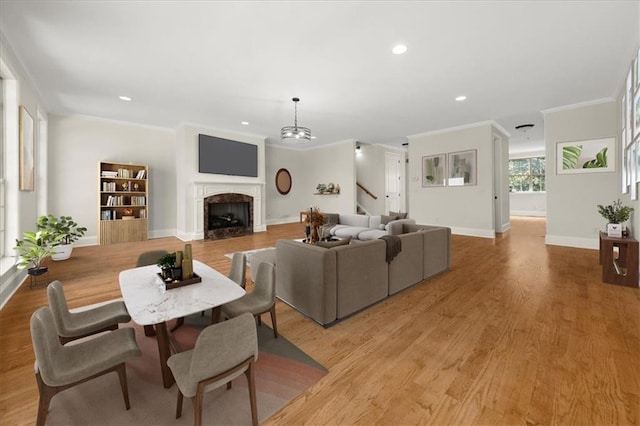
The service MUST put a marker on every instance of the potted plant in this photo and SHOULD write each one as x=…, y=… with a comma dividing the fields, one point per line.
x=170, y=270
x=34, y=248
x=65, y=227
x=615, y=214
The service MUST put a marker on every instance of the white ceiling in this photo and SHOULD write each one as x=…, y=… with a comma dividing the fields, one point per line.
x=220, y=63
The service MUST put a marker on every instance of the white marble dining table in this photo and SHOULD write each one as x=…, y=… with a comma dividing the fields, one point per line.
x=150, y=304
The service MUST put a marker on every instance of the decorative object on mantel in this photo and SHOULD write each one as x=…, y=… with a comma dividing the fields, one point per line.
x=295, y=134
x=616, y=214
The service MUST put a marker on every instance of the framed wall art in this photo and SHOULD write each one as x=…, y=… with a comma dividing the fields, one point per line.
x=27, y=148
x=462, y=168
x=587, y=156
x=434, y=170
x=636, y=114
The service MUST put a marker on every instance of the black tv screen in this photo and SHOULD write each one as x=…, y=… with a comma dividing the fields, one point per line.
x=226, y=157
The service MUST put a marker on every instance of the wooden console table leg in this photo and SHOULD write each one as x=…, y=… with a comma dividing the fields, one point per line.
x=149, y=331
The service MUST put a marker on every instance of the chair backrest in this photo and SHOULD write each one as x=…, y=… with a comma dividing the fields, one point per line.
x=59, y=308
x=224, y=345
x=150, y=257
x=238, y=271
x=46, y=345
x=265, y=285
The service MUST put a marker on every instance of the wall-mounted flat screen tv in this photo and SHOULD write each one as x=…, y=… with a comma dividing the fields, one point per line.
x=226, y=157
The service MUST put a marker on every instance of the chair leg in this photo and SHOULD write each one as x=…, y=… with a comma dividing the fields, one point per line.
x=179, y=405
x=122, y=375
x=46, y=393
x=229, y=385
x=259, y=319
x=273, y=321
x=197, y=408
x=252, y=394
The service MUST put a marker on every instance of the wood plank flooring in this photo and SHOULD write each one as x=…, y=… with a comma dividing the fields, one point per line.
x=515, y=333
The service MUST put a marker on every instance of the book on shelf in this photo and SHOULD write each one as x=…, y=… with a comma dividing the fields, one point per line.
x=140, y=174
x=143, y=214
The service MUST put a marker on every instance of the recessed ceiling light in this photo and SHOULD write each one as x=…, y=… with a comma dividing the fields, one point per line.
x=461, y=98
x=244, y=123
x=313, y=137
x=125, y=98
x=399, y=49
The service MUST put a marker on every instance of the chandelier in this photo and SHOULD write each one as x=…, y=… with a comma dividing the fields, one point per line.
x=294, y=134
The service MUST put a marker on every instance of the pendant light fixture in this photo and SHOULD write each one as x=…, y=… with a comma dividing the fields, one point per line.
x=295, y=134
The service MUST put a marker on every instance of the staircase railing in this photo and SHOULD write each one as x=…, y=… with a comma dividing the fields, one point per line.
x=369, y=193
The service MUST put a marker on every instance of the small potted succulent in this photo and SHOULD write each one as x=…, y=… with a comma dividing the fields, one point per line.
x=64, y=227
x=615, y=214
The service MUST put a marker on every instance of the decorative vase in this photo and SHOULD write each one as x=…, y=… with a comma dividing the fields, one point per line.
x=62, y=252
x=614, y=230
x=315, y=237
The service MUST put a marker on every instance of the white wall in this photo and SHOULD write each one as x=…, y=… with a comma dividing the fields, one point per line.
x=468, y=210
x=77, y=144
x=186, y=157
x=572, y=218
x=333, y=163
x=528, y=203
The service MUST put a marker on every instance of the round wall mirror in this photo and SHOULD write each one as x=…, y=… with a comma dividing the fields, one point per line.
x=283, y=181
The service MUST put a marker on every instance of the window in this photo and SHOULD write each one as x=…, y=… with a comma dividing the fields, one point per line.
x=527, y=175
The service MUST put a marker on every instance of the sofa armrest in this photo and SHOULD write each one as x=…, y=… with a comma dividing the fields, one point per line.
x=395, y=227
x=306, y=279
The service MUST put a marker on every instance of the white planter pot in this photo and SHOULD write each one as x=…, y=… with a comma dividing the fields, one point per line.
x=63, y=252
x=614, y=230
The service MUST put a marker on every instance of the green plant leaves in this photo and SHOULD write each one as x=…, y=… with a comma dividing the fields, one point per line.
x=599, y=161
x=570, y=156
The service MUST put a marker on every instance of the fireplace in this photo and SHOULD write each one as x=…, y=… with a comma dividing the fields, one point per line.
x=227, y=215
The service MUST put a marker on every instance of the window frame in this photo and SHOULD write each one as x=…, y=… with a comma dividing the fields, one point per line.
x=530, y=175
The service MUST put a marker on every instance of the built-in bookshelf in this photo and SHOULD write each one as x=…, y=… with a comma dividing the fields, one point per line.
x=123, y=209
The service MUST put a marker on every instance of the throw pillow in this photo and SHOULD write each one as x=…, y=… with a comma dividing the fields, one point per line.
x=384, y=219
x=398, y=215
x=329, y=244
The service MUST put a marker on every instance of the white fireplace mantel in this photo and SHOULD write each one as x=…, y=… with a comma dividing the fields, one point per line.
x=202, y=190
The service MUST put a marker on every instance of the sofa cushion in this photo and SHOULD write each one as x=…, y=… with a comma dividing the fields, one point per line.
x=360, y=220
x=371, y=234
x=329, y=244
x=384, y=219
x=344, y=231
x=398, y=215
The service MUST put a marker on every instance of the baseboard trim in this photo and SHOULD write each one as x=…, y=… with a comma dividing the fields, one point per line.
x=11, y=281
x=473, y=232
x=585, y=243
x=535, y=213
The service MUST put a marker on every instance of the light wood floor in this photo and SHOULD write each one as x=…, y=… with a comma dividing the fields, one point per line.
x=515, y=333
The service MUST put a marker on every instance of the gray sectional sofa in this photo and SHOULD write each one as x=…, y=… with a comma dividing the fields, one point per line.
x=329, y=284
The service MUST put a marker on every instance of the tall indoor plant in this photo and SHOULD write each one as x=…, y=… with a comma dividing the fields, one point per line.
x=65, y=229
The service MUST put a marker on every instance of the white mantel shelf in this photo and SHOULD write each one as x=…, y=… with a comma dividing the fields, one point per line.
x=202, y=190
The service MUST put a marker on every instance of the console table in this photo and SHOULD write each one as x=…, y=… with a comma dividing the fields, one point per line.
x=619, y=260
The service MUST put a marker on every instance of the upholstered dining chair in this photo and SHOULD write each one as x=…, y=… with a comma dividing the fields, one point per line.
x=260, y=300
x=222, y=352
x=82, y=323
x=59, y=367
x=238, y=271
